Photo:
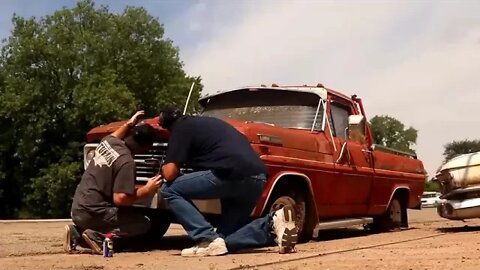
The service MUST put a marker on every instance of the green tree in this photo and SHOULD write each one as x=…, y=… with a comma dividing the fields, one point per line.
x=457, y=148
x=65, y=73
x=390, y=132
x=432, y=186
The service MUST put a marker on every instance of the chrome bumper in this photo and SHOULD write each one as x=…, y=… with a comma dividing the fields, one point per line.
x=459, y=209
x=156, y=202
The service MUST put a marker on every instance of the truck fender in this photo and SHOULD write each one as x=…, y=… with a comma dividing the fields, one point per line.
x=399, y=189
x=404, y=193
x=311, y=215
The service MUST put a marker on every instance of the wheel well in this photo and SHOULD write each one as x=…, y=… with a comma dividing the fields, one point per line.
x=291, y=183
x=403, y=195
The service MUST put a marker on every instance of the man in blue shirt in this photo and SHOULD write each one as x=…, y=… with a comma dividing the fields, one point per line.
x=226, y=168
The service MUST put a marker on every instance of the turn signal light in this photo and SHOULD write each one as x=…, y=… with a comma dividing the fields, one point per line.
x=269, y=139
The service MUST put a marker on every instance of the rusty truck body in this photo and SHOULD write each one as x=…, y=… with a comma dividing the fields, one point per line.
x=320, y=155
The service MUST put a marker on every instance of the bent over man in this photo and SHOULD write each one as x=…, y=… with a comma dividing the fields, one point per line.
x=107, y=186
x=226, y=168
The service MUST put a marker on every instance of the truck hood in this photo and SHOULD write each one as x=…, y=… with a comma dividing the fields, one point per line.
x=97, y=133
x=284, y=137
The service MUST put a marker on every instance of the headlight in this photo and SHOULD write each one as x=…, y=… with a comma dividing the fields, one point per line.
x=88, y=154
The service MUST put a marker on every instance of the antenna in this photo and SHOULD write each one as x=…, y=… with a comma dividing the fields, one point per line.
x=188, y=98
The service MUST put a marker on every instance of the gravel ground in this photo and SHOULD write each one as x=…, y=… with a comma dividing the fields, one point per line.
x=430, y=243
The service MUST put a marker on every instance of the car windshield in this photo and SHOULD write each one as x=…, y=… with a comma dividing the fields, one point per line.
x=432, y=195
x=275, y=107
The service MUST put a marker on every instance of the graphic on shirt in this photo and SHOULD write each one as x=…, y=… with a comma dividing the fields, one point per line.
x=105, y=155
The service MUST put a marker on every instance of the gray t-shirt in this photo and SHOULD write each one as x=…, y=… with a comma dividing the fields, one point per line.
x=112, y=170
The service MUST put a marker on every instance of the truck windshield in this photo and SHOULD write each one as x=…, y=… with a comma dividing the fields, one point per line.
x=275, y=107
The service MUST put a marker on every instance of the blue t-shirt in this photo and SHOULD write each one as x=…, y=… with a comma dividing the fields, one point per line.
x=207, y=143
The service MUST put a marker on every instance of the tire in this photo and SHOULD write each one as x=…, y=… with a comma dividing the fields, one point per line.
x=392, y=219
x=160, y=222
x=300, y=210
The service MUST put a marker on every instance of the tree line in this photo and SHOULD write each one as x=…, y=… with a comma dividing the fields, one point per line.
x=392, y=133
x=65, y=73
x=60, y=76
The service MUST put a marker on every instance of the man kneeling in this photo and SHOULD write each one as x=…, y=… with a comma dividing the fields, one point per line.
x=108, y=186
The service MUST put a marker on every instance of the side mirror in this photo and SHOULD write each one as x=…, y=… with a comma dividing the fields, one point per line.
x=356, y=128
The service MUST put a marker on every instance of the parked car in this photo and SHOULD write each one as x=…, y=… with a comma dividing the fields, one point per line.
x=459, y=178
x=430, y=198
x=320, y=154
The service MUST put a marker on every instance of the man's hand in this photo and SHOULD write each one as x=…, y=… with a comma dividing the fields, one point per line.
x=134, y=119
x=151, y=187
x=153, y=184
x=121, y=132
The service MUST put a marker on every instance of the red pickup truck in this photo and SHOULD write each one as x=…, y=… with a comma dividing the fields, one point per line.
x=320, y=154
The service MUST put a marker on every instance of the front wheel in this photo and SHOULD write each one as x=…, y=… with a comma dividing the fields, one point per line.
x=160, y=222
x=300, y=209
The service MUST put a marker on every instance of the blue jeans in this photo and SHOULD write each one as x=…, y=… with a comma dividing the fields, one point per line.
x=257, y=233
x=123, y=220
x=238, y=198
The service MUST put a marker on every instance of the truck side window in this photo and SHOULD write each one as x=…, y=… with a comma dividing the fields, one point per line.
x=340, y=119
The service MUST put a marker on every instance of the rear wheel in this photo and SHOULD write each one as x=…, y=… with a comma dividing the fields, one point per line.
x=391, y=220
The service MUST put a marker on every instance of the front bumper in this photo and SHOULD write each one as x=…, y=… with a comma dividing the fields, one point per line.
x=156, y=202
x=429, y=204
x=459, y=209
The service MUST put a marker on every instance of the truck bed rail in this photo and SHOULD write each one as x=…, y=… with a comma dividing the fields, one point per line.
x=393, y=151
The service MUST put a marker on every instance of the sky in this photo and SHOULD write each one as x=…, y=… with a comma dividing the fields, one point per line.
x=417, y=61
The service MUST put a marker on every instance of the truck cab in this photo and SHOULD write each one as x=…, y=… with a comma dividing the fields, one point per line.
x=320, y=155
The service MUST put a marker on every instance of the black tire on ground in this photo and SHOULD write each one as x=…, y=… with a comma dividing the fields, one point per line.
x=392, y=219
x=297, y=201
x=160, y=222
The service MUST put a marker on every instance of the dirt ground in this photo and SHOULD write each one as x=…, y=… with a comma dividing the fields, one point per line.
x=430, y=243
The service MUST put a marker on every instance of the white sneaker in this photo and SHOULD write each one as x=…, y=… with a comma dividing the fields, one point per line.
x=285, y=229
x=214, y=248
x=217, y=247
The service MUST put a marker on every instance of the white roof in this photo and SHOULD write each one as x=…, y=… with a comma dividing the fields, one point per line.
x=466, y=160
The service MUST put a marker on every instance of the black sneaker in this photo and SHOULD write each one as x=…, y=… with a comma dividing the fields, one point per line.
x=94, y=240
x=71, y=238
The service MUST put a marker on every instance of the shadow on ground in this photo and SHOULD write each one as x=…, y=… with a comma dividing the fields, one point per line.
x=336, y=234
x=465, y=228
x=177, y=242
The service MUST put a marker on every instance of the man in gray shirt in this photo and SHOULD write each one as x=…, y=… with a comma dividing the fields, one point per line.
x=107, y=185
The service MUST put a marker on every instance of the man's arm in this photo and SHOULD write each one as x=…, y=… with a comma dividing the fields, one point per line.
x=178, y=151
x=124, y=199
x=170, y=171
x=122, y=130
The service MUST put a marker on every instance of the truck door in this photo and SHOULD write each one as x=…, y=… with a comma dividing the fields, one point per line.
x=353, y=167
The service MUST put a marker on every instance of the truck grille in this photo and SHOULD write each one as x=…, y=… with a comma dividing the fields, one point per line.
x=148, y=165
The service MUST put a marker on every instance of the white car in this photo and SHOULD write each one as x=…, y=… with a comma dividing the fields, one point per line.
x=430, y=198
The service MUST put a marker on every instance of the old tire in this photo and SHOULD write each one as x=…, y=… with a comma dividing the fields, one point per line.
x=300, y=210
x=160, y=222
x=391, y=220
x=159, y=229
